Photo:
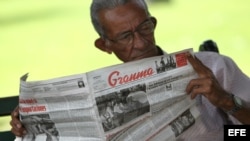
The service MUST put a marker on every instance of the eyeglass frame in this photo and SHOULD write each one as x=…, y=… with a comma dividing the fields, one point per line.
x=127, y=37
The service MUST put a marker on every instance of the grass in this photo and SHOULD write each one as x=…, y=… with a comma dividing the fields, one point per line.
x=51, y=38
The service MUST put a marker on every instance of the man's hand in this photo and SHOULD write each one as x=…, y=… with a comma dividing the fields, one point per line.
x=16, y=125
x=207, y=85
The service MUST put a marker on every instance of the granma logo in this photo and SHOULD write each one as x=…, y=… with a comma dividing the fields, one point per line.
x=115, y=78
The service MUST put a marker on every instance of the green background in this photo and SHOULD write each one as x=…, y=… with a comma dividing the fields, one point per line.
x=53, y=38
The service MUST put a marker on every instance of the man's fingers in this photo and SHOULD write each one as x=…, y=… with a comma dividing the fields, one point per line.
x=192, y=61
x=17, y=128
x=14, y=118
x=19, y=132
x=15, y=123
x=16, y=132
x=15, y=112
x=198, y=90
x=198, y=66
x=194, y=84
x=198, y=86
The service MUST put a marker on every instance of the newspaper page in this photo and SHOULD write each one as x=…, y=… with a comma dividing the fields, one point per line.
x=135, y=101
x=60, y=109
x=138, y=100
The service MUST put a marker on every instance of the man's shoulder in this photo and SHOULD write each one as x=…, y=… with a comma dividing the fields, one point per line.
x=212, y=58
x=208, y=54
x=217, y=62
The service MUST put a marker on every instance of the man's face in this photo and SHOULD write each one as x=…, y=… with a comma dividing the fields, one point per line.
x=129, y=32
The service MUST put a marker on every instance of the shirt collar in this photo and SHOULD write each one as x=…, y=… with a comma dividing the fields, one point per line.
x=160, y=51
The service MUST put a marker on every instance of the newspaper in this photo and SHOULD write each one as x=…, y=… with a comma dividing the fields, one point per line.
x=135, y=101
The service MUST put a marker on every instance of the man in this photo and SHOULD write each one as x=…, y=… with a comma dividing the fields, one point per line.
x=126, y=29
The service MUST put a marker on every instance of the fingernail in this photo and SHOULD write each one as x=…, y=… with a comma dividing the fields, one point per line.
x=24, y=132
x=19, y=125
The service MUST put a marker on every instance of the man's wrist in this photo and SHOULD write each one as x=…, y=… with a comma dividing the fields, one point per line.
x=237, y=104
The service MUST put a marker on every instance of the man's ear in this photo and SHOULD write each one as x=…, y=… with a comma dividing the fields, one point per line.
x=153, y=19
x=102, y=45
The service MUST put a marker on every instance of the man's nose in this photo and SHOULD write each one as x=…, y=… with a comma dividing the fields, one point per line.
x=139, y=41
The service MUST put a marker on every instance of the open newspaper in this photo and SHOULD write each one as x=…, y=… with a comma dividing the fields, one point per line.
x=137, y=101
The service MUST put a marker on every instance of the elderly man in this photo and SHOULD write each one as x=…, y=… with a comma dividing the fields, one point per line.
x=221, y=91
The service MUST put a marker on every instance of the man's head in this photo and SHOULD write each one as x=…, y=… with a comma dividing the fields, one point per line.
x=125, y=28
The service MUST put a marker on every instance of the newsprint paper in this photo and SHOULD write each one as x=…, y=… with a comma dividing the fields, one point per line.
x=142, y=100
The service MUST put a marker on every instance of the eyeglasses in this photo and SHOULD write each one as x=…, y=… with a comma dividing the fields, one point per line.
x=145, y=28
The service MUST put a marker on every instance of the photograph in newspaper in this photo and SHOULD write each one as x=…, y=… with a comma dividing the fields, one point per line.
x=165, y=64
x=40, y=125
x=120, y=107
x=181, y=123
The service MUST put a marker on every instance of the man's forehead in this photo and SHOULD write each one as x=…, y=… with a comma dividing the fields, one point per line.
x=122, y=16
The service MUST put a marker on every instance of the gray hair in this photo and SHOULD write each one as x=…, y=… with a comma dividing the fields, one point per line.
x=98, y=5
